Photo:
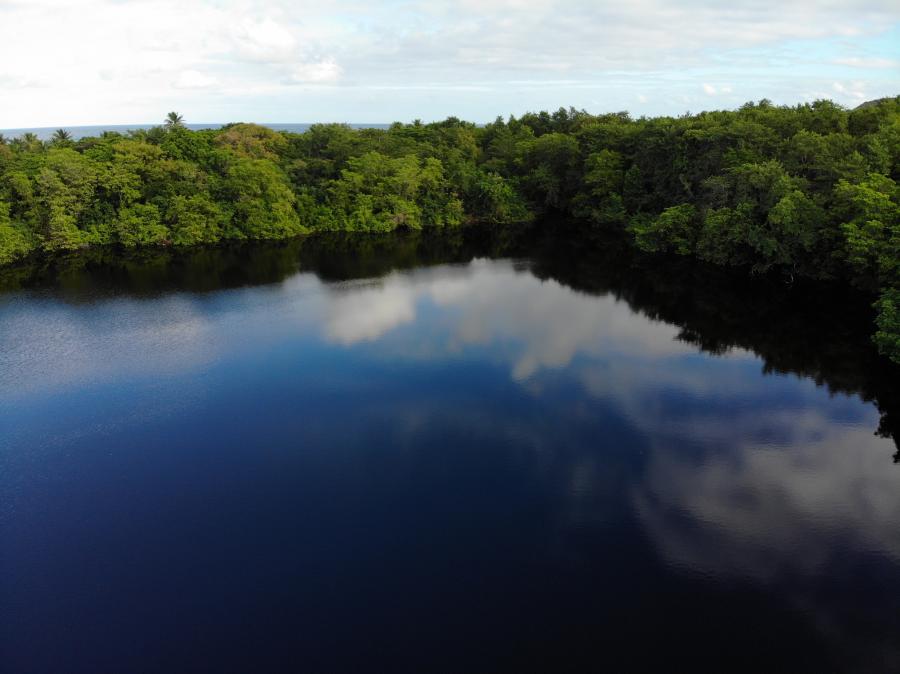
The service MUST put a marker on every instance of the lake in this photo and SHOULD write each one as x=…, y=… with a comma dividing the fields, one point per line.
x=468, y=452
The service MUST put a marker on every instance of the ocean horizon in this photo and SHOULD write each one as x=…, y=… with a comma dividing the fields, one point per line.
x=83, y=131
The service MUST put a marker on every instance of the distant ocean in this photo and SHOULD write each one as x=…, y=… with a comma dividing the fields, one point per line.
x=44, y=133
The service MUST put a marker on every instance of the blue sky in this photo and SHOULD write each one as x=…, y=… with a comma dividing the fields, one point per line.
x=68, y=62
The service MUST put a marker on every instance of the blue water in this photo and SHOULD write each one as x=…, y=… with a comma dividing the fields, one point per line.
x=366, y=458
x=77, y=132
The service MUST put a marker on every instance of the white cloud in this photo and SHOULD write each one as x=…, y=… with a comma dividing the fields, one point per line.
x=264, y=40
x=715, y=90
x=323, y=71
x=854, y=89
x=867, y=63
x=63, y=65
x=193, y=79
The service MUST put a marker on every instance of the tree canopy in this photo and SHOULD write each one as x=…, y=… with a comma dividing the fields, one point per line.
x=809, y=190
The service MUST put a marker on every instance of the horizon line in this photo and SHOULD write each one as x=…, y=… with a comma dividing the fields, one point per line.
x=388, y=123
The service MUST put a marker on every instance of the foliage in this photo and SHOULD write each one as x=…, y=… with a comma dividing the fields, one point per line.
x=871, y=213
x=139, y=225
x=174, y=120
x=14, y=242
x=380, y=193
x=195, y=219
x=673, y=229
x=261, y=199
x=809, y=190
x=888, y=335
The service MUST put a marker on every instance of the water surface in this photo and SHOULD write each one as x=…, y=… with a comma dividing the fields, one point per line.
x=456, y=453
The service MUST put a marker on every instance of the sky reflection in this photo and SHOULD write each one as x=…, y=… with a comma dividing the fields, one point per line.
x=466, y=416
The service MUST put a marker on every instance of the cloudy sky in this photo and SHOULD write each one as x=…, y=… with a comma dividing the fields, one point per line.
x=67, y=62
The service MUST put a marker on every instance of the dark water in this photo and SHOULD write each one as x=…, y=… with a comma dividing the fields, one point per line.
x=468, y=453
x=46, y=132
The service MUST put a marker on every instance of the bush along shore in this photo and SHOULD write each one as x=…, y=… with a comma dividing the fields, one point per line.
x=809, y=190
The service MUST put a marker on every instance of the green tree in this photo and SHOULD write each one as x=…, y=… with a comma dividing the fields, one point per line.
x=887, y=337
x=140, y=225
x=871, y=224
x=496, y=200
x=672, y=230
x=381, y=193
x=262, y=201
x=723, y=236
x=252, y=141
x=174, y=120
x=27, y=142
x=63, y=192
x=600, y=198
x=61, y=137
x=194, y=219
x=549, y=167
x=14, y=241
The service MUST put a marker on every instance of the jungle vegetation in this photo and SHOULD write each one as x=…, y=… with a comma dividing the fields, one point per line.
x=809, y=190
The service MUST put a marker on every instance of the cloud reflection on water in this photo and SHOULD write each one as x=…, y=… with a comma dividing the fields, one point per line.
x=765, y=511
x=581, y=403
x=747, y=476
x=795, y=462
x=543, y=323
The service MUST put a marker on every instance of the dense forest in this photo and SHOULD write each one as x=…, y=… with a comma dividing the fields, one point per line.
x=808, y=191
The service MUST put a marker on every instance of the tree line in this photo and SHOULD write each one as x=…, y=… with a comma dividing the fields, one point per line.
x=809, y=190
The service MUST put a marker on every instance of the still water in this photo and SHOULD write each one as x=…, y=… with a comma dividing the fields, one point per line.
x=441, y=454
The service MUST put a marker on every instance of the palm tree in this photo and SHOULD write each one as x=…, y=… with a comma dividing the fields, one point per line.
x=61, y=136
x=174, y=120
x=31, y=141
x=27, y=142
